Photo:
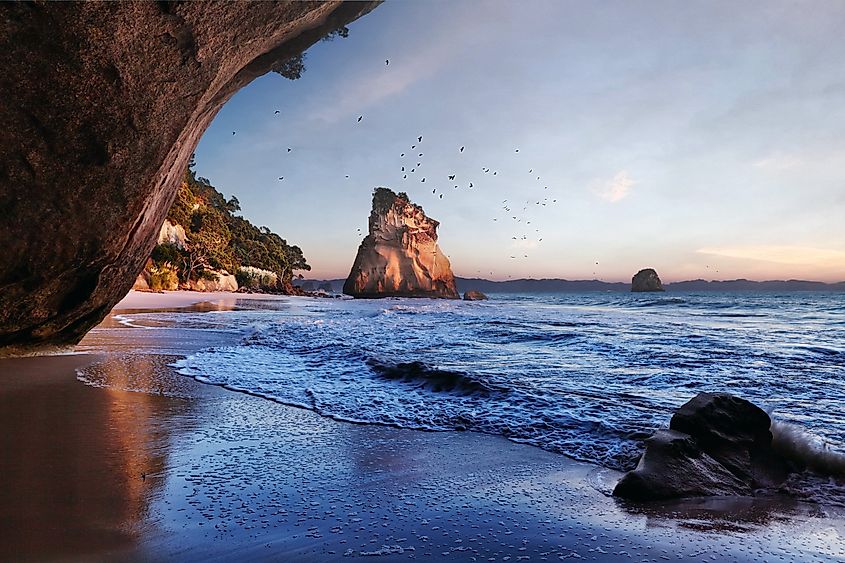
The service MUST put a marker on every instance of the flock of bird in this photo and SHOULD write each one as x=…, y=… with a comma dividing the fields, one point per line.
x=519, y=212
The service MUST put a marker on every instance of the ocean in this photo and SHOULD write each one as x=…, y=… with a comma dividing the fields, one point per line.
x=587, y=375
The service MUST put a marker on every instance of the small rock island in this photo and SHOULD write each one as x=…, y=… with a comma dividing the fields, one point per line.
x=400, y=256
x=645, y=281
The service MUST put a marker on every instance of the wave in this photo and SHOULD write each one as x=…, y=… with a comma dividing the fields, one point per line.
x=437, y=380
x=806, y=449
x=823, y=351
x=659, y=302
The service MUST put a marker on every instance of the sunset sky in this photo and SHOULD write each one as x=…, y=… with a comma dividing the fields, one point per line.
x=704, y=139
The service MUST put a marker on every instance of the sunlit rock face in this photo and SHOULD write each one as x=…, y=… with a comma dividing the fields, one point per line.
x=101, y=106
x=400, y=256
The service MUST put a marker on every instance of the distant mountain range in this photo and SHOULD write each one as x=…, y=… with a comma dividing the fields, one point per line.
x=576, y=286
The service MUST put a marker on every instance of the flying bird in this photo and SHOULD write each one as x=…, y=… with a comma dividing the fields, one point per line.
x=281, y=177
x=441, y=196
x=419, y=139
x=423, y=180
x=360, y=117
x=401, y=155
x=462, y=149
x=275, y=112
x=386, y=62
x=452, y=177
x=289, y=149
x=233, y=132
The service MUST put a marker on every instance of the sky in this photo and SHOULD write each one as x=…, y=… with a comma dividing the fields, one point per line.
x=704, y=139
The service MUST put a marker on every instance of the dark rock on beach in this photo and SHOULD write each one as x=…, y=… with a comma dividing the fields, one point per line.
x=645, y=281
x=716, y=445
x=473, y=295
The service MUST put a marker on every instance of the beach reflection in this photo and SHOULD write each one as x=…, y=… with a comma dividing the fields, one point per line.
x=80, y=465
x=724, y=514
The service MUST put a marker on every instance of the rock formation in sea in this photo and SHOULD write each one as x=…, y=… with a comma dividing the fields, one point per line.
x=646, y=280
x=101, y=106
x=400, y=257
x=716, y=445
x=473, y=295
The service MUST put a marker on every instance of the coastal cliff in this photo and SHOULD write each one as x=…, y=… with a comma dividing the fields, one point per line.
x=203, y=239
x=101, y=106
x=400, y=256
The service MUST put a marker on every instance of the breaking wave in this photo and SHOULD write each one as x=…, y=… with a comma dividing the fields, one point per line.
x=586, y=375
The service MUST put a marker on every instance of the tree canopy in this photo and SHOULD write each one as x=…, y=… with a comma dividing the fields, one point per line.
x=219, y=239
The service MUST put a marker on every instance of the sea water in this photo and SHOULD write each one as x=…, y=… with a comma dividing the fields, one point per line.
x=587, y=375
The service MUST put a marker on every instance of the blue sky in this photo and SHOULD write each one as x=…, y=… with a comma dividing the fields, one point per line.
x=705, y=139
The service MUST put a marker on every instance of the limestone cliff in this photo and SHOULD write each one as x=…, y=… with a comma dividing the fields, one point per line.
x=400, y=256
x=101, y=106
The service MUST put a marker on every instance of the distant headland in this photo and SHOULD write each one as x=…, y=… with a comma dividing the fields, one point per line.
x=554, y=285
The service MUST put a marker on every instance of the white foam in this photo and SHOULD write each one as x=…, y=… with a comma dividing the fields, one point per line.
x=796, y=443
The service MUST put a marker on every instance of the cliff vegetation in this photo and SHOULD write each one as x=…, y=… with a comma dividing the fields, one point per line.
x=219, y=242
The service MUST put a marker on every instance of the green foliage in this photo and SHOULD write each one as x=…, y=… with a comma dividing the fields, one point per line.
x=383, y=199
x=167, y=254
x=162, y=279
x=342, y=31
x=293, y=67
x=219, y=239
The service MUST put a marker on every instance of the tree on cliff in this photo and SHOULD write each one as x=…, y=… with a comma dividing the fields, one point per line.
x=293, y=67
x=218, y=239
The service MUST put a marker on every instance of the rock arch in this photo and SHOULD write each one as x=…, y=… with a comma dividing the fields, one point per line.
x=101, y=106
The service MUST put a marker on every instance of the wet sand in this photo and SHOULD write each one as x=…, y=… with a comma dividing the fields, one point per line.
x=140, y=463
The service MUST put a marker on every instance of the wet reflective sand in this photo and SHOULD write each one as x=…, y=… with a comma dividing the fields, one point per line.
x=143, y=464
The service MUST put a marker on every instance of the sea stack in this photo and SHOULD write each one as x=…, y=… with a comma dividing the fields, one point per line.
x=646, y=280
x=400, y=257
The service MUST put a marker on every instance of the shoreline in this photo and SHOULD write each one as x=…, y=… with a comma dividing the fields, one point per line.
x=144, y=464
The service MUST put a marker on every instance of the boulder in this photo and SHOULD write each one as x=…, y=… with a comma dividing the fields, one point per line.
x=473, y=295
x=400, y=256
x=646, y=280
x=673, y=465
x=717, y=444
x=101, y=106
x=142, y=282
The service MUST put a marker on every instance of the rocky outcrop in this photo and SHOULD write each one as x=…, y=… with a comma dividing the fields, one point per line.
x=473, y=295
x=223, y=281
x=101, y=106
x=716, y=445
x=142, y=282
x=646, y=280
x=400, y=257
x=171, y=233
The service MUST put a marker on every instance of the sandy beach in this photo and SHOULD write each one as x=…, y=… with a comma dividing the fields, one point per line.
x=108, y=454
